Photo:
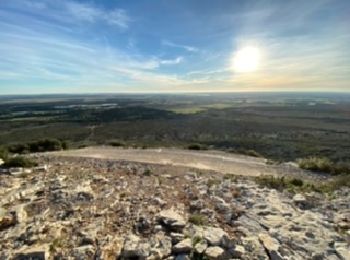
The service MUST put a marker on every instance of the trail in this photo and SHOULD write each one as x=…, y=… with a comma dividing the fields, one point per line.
x=210, y=160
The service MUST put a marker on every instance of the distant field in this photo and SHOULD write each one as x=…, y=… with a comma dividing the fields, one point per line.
x=278, y=126
x=198, y=108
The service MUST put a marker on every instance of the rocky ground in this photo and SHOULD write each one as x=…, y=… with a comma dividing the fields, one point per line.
x=102, y=209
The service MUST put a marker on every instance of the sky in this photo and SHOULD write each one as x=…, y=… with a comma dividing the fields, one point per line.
x=74, y=46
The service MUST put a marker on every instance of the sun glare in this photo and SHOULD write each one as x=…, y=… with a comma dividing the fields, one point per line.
x=246, y=59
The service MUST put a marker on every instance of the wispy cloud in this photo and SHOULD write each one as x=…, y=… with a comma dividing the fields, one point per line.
x=90, y=13
x=41, y=55
x=73, y=11
x=177, y=60
x=185, y=47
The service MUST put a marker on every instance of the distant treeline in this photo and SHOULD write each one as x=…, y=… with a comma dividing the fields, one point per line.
x=130, y=113
x=44, y=145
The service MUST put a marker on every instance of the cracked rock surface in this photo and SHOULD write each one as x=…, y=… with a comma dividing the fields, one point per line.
x=101, y=209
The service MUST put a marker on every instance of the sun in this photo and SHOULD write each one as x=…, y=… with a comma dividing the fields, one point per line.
x=246, y=59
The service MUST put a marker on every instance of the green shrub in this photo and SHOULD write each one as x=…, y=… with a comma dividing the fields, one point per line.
x=212, y=182
x=65, y=145
x=45, y=145
x=297, y=185
x=252, y=153
x=341, y=168
x=147, y=172
x=18, y=148
x=297, y=182
x=19, y=161
x=42, y=145
x=335, y=184
x=281, y=183
x=229, y=176
x=322, y=164
x=194, y=147
x=278, y=183
x=115, y=143
x=198, y=219
x=3, y=153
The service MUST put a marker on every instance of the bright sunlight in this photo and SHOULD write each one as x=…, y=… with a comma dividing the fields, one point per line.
x=246, y=59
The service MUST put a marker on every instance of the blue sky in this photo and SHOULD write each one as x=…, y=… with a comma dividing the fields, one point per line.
x=72, y=46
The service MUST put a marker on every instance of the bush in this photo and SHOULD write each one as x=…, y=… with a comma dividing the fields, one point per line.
x=252, y=153
x=43, y=145
x=229, y=176
x=3, y=153
x=18, y=148
x=337, y=183
x=341, y=168
x=65, y=145
x=322, y=164
x=19, y=161
x=297, y=182
x=281, y=183
x=297, y=185
x=196, y=147
x=115, y=143
x=278, y=183
x=147, y=172
x=212, y=182
x=198, y=219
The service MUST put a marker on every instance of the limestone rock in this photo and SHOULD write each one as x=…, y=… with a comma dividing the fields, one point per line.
x=196, y=205
x=299, y=198
x=183, y=246
x=201, y=246
x=20, y=213
x=215, y=253
x=271, y=245
x=160, y=247
x=171, y=219
x=176, y=237
x=343, y=250
x=134, y=247
x=238, y=251
x=110, y=250
x=214, y=236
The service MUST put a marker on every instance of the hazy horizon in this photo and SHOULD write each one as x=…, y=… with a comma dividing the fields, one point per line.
x=298, y=94
x=83, y=47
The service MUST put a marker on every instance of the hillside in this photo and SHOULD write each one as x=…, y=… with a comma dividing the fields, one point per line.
x=88, y=207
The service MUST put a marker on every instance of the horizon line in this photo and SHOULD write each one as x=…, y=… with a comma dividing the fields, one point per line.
x=176, y=93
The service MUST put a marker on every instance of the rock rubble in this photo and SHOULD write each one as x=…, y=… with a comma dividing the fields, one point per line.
x=100, y=209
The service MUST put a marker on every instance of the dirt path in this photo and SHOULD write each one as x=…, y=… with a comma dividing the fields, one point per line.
x=210, y=160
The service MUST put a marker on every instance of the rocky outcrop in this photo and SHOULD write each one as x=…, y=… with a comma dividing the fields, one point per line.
x=134, y=247
x=215, y=253
x=171, y=219
x=101, y=209
x=184, y=246
x=215, y=236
